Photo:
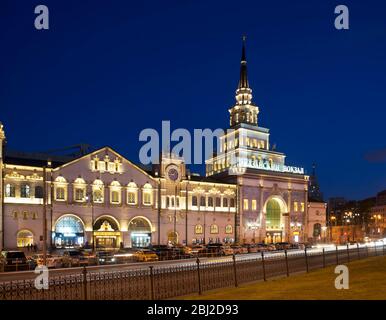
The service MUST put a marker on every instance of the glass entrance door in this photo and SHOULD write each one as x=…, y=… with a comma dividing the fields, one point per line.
x=140, y=240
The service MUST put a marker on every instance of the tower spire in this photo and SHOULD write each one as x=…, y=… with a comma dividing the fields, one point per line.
x=243, y=82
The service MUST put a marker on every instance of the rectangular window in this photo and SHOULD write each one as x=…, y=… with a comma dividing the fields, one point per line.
x=147, y=198
x=60, y=193
x=115, y=197
x=97, y=196
x=254, y=205
x=79, y=194
x=246, y=202
x=131, y=197
x=302, y=206
x=296, y=206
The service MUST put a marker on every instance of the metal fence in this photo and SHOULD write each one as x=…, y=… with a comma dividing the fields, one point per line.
x=163, y=282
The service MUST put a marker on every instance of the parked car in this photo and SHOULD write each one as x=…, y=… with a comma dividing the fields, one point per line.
x=261, y=247
x=226, y=250
x=125, y=255
x=251, y=248
x=52, y=261
x=282, y=245
x=146, y=255
x=13, y=261
x=239, y=249
x=71, y=258
x=198, y=250
x=162, y=251
x=271, y=247
x=105, y=257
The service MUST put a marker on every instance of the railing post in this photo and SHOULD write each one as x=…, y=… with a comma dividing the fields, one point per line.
x=348, y=252
x=306, y=257
x=337, y=255
x=263, y=264
x=151, y=283
x=324, y=259
x=234, y=269
x=84, y=282
x=359, y=255
x=286, y=262
x=198, y=276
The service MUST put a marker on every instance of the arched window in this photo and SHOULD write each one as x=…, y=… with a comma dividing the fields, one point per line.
x=98, y=191
x=60, y=187
x=9, y=190
x=273, y=214
x=115, y=192
x=317, y=229
x=225, y=202
x=202, y=201
x=39, y=192
x=25, y=191
x=79, y=190
x=228, y=229
x=232, y=203
x=210, y=202
x=194, y=200
x=214, y=228
x=147, y=193
x=218, y=202
x=24, y=238
x=132, y=192
x=198, y=229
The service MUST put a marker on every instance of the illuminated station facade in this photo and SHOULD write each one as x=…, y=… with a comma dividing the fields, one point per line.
x=101, y=198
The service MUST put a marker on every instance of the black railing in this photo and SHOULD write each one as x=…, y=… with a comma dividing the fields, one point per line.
x=160, y=281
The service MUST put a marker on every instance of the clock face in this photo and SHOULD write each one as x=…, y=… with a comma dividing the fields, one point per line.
x=173, y=174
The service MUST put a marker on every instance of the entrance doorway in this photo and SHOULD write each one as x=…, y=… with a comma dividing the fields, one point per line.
x=106, y=233
x=140, y=233
x=69, y=232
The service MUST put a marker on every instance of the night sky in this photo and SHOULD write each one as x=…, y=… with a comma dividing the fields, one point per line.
x=108, y=69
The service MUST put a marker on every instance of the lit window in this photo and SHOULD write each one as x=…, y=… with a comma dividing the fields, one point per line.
x=228, y=229
x=79, y=189
x=302, y=206
x=198, y=229
x=25, y=191
x=60, y=193
x=115, y=197
x=131, y=197
x=9, y=190
x=246, y=204
x=296, y=206
x=214, y=228
x=254, y=205
x=97, y=191
x=147, y=194
x=79, y=194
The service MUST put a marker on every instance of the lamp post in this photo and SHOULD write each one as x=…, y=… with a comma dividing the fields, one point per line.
x=89, y=197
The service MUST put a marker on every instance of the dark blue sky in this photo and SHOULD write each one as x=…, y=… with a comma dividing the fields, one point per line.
x=108, y=69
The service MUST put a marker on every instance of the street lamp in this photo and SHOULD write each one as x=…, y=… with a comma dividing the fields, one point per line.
x=89, y=198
